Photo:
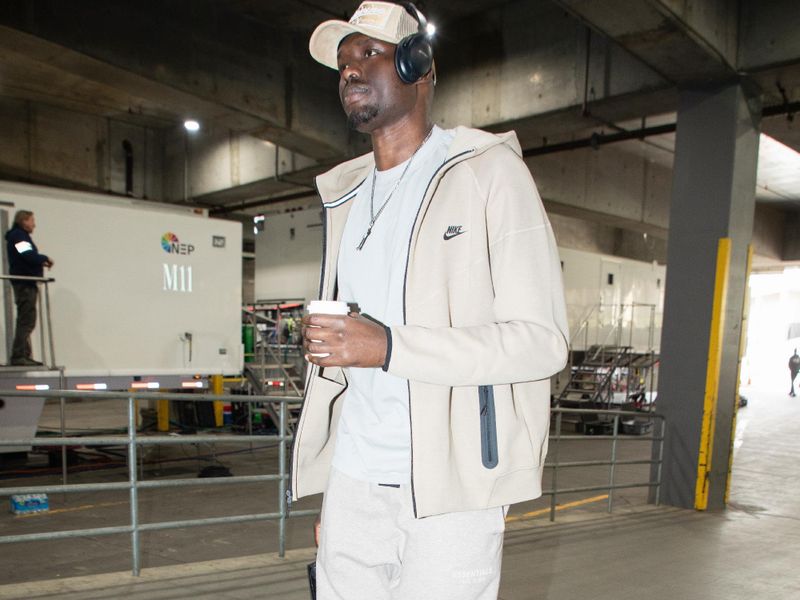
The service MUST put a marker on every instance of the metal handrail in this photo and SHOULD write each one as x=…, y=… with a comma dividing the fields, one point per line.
x=286, y=376
x=620, y=322
x=267, y=348
x=612, y=462
x=583, y=326
x=134, y=485
x=45, y=316
x=28, y=278
x=256, y=317
x=132, y=440
x=624, y=315
x=583, y=323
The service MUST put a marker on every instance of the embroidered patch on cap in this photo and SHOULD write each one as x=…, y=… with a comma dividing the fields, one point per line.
x=371, y=15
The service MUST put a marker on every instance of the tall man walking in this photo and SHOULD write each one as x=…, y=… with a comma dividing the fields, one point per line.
x=24, y=260
x=427, y=412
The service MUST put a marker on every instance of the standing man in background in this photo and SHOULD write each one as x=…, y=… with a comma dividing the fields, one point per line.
x=427, y=414
x=24, y=260
x=794, y=367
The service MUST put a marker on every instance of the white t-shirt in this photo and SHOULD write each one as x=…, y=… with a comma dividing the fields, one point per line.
x=373, y=440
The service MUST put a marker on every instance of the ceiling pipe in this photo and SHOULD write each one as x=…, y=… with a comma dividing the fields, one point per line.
x=594, y=141
x=224, y=210
x=776, y=110
x=599, y=139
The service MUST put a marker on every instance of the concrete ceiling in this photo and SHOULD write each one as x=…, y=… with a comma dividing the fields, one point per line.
x=778, y=175
x=55, y=53
x=241, y=65
x=302, y=16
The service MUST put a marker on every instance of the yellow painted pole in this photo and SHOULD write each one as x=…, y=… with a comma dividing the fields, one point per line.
x=742, y=345
x=217, y=388
x=712, y=374
x=162, y=412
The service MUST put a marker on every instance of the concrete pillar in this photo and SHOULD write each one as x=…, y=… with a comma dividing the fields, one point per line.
x=713, y=197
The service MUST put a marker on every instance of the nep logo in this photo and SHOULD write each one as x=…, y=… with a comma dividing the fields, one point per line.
x=171, y=245
x=176, y=278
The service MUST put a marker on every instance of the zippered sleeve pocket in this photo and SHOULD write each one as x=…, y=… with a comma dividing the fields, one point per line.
x=488, y=426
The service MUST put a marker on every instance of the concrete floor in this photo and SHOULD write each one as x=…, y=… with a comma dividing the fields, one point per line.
x=748, y=551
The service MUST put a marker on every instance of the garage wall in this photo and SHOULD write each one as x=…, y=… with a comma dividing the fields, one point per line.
x=610, y=181
x=289, y=250
x=288, y=256
x=45, y=144
x=208, y=162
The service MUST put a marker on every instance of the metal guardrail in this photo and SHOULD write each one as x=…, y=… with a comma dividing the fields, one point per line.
x=612, y=463
x=132, y=441
x=45, y=318
x=623, y=320
x=133, y=485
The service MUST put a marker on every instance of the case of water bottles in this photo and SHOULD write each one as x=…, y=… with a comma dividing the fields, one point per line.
x=29, y=503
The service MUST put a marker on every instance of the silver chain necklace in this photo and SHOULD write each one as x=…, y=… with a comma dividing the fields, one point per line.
x=373, y=216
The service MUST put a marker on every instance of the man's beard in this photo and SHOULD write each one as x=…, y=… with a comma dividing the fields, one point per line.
x=362, y=116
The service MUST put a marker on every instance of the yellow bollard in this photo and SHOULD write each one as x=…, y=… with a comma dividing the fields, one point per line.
x=217, y=388
x=162, y=413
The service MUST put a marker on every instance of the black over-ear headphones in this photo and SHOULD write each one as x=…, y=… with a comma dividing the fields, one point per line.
x=414, y=55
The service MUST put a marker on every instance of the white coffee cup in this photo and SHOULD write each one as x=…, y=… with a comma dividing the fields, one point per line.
x=326, y=307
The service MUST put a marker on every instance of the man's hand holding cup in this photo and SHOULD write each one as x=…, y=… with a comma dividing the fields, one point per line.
x=334, y=336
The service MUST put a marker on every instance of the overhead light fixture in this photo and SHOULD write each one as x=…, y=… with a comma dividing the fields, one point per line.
x=430, y=28
x=191, y=125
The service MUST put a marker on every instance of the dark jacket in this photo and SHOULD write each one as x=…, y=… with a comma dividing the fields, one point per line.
x=23, y=255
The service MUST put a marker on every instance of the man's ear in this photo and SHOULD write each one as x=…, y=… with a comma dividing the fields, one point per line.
x=429, y=77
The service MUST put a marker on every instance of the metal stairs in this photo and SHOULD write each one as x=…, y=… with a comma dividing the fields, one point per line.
x=259, y=387
x=267, y=378
x=590, y=380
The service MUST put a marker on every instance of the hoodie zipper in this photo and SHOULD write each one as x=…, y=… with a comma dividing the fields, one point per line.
x=488, y=426
x=405, y=319
x=292, y=483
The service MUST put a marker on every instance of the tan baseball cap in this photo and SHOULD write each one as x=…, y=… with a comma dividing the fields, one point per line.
x=384, y=21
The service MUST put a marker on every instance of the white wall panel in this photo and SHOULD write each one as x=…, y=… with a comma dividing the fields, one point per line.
x=288, y=267
x=288, y=256
x=114, y=310
x=594, y=305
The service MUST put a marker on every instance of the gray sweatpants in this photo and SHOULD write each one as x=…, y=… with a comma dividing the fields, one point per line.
x=372, y=548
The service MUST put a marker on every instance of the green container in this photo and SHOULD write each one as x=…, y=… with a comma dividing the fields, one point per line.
x=248, y=339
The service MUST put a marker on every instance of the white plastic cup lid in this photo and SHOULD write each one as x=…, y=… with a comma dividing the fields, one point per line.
x=328, y=307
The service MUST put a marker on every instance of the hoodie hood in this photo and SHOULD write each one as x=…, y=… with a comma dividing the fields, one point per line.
x=341, y=183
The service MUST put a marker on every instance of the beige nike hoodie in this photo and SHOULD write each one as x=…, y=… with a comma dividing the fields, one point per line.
x=485, y=328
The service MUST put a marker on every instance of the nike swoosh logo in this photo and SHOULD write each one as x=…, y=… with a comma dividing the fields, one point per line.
x=449, y=236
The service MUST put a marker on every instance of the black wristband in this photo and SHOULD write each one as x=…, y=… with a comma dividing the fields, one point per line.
x=388, y=331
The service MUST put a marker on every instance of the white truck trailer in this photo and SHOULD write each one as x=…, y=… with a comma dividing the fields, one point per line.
x=600, y=290
x=145, y=295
